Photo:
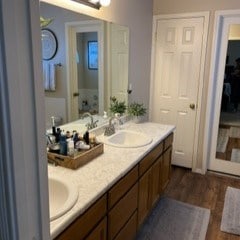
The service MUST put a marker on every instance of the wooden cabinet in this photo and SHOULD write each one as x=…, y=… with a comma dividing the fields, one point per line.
x=166, y=168
x=86, y=223
x=122, y=187
x=143, y=197
x=122, y=209
x=120, y=214
x=155, y=169
x=149, y=190
x=99, y=232
x=128, y=232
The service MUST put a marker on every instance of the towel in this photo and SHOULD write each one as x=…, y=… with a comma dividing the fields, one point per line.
x=45, y=67
x=52, y=77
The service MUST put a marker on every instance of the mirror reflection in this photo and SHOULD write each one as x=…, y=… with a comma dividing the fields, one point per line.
x=228, y=143
x=86, y=76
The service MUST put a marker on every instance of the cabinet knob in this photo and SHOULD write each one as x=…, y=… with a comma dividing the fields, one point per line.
x=76, y=94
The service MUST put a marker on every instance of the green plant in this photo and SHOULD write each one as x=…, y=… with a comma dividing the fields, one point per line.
x=44, y=22
x=136, y=109
x=117, y=106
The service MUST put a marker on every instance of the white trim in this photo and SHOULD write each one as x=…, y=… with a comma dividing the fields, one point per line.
x=205, y=15
x=219, y=48
x=86, y=26
x=23, y=124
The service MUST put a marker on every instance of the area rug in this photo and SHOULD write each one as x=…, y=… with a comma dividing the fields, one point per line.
x=222, y=141
x=234, y=132
x=171, y=220
x=235, y=155
x=231, y=211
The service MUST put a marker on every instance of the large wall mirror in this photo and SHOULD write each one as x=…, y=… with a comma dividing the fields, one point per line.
x=228, y=141
x=223, y=115
x=91, y=64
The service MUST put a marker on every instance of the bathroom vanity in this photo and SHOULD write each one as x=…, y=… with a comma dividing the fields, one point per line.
x=118, y=189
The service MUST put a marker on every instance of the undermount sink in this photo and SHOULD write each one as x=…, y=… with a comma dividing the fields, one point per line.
x=127, y=139
x=62, y=197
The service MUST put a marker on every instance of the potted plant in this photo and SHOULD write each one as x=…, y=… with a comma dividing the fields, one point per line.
x=117, y=106
x=136, y=111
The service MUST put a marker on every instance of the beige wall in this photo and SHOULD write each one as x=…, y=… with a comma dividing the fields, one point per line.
x=186, y=6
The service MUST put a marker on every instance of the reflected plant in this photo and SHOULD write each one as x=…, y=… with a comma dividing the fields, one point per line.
x=117, y=106
x=136, y=109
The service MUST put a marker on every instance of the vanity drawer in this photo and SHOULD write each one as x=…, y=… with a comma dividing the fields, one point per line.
x=122, y=212
x=150, y=158
x=86, y=222
x=122, y=186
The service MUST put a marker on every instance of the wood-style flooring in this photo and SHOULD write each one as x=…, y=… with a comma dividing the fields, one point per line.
x=206, y=191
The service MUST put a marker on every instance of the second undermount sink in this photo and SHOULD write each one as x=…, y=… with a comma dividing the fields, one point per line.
x=127, y=139
x=62, y=196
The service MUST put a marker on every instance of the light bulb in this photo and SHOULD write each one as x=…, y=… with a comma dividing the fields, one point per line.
x=105, y=3
x=93, y=1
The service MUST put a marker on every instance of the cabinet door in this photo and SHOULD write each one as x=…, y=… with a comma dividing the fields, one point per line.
x=130, y=229
x=144, y=195
x=166, y=168
x=84, y=224
x=155, y=183
x=100, y=232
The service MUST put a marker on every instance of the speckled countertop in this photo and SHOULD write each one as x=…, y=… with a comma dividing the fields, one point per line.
x=99, y=175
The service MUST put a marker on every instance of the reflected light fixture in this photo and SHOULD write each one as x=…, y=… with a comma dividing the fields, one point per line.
x=94, y=3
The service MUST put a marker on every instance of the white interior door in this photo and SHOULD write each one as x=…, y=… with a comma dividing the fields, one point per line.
x=119, y=38
x=73, y=80
x=176, y=77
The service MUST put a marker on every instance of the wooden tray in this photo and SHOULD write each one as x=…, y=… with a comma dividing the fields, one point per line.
x=80, y=158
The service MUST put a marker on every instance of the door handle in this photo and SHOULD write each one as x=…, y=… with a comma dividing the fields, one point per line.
x=76, y=94
x=192, y=106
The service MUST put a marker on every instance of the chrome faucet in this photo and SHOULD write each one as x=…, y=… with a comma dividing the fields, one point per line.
x=110, y=129
x=92, y=124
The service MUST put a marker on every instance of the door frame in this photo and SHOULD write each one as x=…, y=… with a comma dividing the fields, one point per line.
x=223, y=19
x=84, y=26
x=205, y=15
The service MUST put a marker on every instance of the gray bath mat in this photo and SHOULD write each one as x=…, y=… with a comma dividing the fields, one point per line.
x=171, y=220
x=231, y=211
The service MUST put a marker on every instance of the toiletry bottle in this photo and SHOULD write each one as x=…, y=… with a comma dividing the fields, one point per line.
x=86, y=137
x=75, y=138
x=57, y=135
x=53, y=126
x=63, y=144
x=70, y=147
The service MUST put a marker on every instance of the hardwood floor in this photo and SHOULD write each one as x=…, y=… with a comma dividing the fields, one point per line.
x=206, y=191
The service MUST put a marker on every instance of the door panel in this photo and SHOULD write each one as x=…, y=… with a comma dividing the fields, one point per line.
x=176, y=79
x=119, y=61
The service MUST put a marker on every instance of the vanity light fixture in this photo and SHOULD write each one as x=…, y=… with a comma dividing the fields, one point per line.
x=94, y=3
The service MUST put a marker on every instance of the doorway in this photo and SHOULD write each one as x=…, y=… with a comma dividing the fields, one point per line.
x=79, y=100
x=87, y=72
x=222, y=136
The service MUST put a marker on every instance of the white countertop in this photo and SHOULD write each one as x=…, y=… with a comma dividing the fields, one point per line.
x=99, y=175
